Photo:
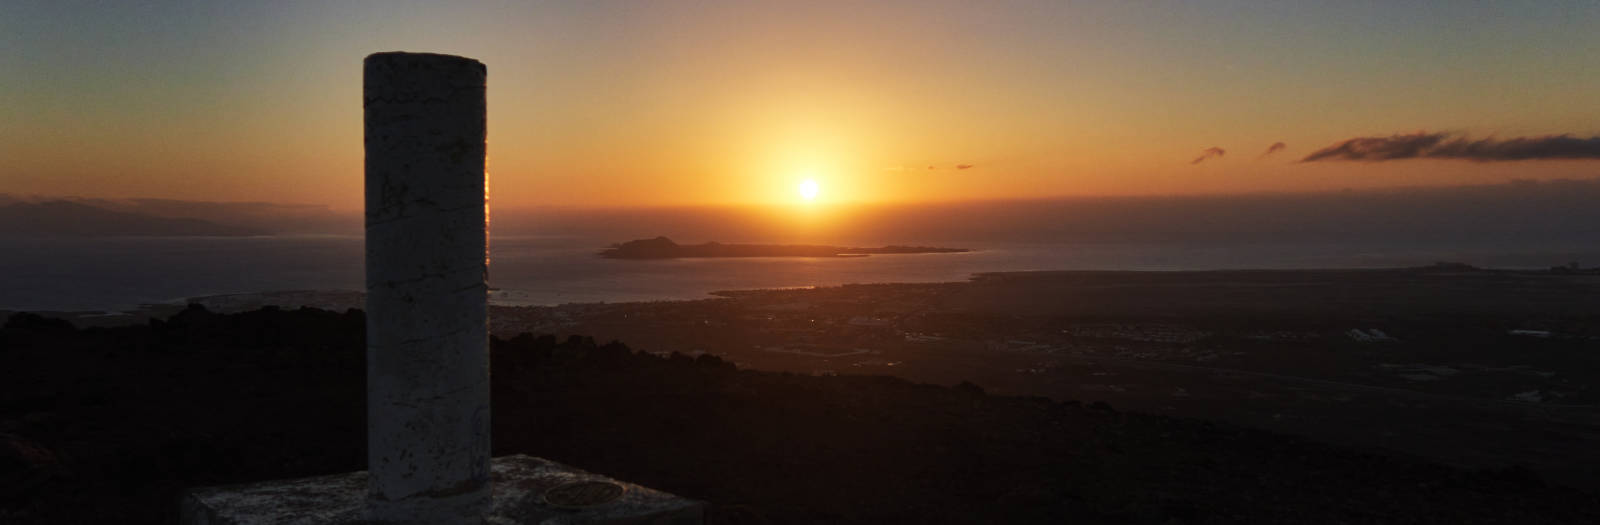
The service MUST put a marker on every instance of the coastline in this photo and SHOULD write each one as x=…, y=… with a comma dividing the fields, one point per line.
x=343, y=299
x=68, y=275
x=1316, y=353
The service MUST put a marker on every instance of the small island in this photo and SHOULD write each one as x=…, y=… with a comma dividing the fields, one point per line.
x=664, y=248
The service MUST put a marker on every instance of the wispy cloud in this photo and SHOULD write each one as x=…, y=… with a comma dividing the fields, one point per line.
x=931, y=167
x=1208, y=153
x=1274, y=148
x=1423, y=145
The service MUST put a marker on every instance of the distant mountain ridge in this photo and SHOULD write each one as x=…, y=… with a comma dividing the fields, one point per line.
x=71, y=219
x=259, y=217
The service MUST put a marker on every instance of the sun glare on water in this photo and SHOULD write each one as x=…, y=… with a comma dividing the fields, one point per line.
x=809, y=189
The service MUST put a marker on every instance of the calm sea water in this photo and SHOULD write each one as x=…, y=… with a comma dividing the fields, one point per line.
x=120, y=273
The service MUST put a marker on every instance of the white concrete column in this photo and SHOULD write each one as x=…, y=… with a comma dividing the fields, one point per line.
x=427, y=299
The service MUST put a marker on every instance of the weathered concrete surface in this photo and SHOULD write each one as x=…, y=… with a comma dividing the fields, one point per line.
x=519, y=485
x=427, y=299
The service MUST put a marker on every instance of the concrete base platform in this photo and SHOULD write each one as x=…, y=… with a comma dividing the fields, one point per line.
x=522, y=494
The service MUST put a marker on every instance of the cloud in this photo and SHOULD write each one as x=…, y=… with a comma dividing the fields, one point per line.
x=1379, y=148
x=1522, y=148
x=930, y=167
x=1422, y=145
x=1207, y=153
x=1274, y=148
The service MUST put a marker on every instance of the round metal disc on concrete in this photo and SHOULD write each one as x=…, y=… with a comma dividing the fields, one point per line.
x=582, y=494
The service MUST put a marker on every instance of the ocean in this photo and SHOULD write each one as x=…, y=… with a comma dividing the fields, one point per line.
x=114, y=274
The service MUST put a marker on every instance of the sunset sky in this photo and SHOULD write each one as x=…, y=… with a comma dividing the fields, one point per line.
x=678, y=103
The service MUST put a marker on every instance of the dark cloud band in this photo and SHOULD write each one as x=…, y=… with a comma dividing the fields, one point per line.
x=1423, y=145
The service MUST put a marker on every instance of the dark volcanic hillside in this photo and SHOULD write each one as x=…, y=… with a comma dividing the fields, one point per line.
x=107, y=425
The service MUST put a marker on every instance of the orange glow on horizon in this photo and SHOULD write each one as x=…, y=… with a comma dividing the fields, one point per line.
x=665, y=104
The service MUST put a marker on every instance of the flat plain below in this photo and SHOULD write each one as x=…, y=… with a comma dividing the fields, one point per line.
x=1468, y=367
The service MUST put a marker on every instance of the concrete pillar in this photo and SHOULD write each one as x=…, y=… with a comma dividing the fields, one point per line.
x=427, y=299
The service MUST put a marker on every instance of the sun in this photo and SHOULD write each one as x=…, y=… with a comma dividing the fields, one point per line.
x=809, y=189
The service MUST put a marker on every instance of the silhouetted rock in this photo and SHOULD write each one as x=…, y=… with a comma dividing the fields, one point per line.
x=31, y=322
